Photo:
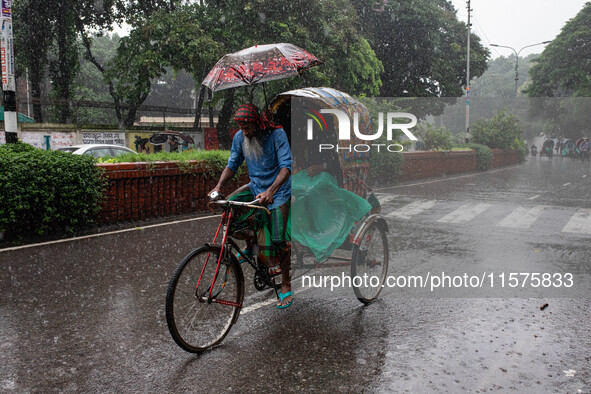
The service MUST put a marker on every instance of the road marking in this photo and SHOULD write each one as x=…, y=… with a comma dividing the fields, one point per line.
x=273, y=300
x=522, y=217
x=387, y=199
x=465, y=213
x=59, y=241
x=258, y=305
x=534, y=197
x=412, y=209
x=566, y=184
x=580, y=222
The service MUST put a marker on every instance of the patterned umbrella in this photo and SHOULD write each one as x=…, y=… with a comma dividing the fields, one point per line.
x=260, y=63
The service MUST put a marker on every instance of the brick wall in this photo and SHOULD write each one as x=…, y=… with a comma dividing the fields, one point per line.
x=420, y=165
x=138, y=191
x=503, y=158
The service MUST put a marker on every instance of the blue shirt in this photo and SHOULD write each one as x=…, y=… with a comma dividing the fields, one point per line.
x=264, y=171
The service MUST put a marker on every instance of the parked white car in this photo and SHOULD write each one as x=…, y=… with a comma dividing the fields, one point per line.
x=97, y=150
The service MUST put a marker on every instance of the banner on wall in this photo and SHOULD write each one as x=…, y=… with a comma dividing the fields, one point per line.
x=140, y=142
x=6, y=9
x=104, y=138
x=35, y=139
x=62, y=140
x=7, y=56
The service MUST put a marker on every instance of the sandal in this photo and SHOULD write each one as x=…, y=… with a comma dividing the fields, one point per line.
x=282, y=297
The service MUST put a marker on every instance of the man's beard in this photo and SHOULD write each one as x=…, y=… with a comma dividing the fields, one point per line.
x=252, y=148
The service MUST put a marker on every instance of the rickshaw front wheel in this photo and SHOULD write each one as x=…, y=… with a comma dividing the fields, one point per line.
x=202, y=301
x=369, y=263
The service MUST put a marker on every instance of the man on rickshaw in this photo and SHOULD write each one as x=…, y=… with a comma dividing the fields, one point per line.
x=268, y=157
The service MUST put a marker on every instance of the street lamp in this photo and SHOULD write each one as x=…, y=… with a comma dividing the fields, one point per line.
x=517, y=57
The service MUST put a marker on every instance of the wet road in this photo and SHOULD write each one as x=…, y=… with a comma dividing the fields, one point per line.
x=88, y=315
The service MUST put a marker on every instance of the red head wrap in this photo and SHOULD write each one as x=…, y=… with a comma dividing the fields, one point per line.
x=249, y=113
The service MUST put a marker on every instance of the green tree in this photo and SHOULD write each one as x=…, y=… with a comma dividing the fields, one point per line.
x=435, y=138
x=502, y=131
x=564, y=69
x=422, y=46
x=32, y=22
x=90, y=87
x=64, y=64
x=179, y=40
x=563, y=76
x=327, y=29
x=499, y=78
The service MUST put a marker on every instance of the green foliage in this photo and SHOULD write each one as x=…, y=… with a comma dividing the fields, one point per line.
x=191, y=154
x=213, y=160
x=91, y=86
x=499, y=78
x=32, y=40
x=327, y=29
x=44, y=191
x=484, y=155
x=563, y=69
x=385, y=167
x=435, y=139
x=422, y=46
x=523, y=151
x=19, y=147
x=499, y=132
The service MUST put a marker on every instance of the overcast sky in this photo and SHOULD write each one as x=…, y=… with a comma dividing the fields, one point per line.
x=517, y=23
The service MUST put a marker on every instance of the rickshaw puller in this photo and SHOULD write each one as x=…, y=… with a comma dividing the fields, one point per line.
x=268, y=157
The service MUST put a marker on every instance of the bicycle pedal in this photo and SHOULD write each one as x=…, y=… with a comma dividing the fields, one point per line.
x=274, y=271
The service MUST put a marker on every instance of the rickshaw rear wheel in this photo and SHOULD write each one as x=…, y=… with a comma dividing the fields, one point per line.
x=369, y=263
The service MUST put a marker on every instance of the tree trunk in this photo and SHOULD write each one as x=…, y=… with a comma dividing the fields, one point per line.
x=117, y=102
x=199, y=108
x=36, y=74
x=225, y=142
x=64, y=68
x=200, y=97
x=135, y=104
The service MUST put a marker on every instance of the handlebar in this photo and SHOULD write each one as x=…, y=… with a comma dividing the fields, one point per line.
x=249, y=204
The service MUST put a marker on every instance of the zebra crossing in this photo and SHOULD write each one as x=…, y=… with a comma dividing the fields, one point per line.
x=465, y=213
x=520, y=217
x=412, y=209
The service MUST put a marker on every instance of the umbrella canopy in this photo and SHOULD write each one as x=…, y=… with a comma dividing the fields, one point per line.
x=260, y=63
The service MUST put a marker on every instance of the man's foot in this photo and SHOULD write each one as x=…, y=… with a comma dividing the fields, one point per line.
x=285, y=297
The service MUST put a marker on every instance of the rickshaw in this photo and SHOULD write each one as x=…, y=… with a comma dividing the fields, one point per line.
x=206, y=292
x=350, y=171
x=547, y=148
x=569, y=148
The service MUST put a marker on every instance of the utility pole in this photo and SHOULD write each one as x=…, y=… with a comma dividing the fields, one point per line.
x=8, y=80
x=468, y=78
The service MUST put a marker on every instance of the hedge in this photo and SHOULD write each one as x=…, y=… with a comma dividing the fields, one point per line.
x=43, y=191
x=484, y=155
